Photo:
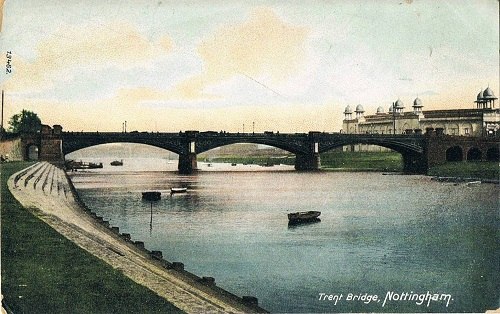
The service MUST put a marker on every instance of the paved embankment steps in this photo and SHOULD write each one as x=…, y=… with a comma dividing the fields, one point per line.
x=47, y=192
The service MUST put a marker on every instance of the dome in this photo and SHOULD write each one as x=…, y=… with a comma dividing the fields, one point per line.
x=417, y=103
x=380, y=110
x=399, y=104
x=488, y=94
x=391, y=109
x=480, y=96
x=359, y=108
x=348, y=109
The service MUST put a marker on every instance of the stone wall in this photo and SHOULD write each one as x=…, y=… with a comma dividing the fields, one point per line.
x=439, y=145
x=51, y=149
x=13, y=148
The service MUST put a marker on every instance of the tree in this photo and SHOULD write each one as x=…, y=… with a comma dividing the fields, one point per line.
x=25, y=122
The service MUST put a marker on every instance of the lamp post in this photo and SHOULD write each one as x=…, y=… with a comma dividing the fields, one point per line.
x=253, y=127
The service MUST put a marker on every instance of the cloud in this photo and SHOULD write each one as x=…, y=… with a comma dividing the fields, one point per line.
x=264, y=49
x=69, y=49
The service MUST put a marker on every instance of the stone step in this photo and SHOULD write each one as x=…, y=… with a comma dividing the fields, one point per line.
x=64, y=182
x=22, y=174
x=33, y=173
x=46, y=180
x=53, y=181
x=40, y=176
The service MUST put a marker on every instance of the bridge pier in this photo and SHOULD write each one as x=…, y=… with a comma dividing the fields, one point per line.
x=51, y=145
x=307, y=161
x=187, y=163
x=414, y=164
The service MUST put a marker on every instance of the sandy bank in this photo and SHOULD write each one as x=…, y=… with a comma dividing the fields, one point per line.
x=44, y=189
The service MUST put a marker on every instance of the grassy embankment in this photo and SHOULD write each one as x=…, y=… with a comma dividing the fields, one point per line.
x=461, y=169
x=377, y=161
x=335, y=160
x=43, y=272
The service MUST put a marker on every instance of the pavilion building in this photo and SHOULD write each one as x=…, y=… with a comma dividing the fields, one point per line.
x=483, y=120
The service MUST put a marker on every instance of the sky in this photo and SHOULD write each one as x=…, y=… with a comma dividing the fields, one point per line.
x=288, y=66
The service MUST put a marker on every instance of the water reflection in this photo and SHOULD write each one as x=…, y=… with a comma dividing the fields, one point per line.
x=302, y=224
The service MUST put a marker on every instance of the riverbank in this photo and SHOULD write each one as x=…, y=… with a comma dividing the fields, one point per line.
x=336, y=160
x=69, y=280
x=376, y=161
x=471, y=170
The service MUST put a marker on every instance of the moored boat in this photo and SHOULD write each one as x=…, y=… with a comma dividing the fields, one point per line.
x=151, y=195
x=73, y=165
x=299, y=217
x=117, y=163
x=178, y=190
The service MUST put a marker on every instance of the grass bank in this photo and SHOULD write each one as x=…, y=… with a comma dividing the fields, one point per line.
x=43, y=272
x=462, y=169
x=359, y=161
x=376, y=161
x=348, y=161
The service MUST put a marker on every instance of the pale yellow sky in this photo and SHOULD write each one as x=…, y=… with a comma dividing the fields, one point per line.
x=286, y=66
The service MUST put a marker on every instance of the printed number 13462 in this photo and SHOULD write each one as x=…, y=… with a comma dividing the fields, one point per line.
x=8, y=66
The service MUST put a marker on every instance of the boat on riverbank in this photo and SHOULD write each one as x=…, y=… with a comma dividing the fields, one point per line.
x=178, y=190
x=151, y=196
x=74, y=165
x=300, y=217
x=117, y=163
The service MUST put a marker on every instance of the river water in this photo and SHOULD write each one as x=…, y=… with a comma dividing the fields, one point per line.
x=379, y=235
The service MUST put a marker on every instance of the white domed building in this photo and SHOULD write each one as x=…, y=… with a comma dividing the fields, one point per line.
x=483, y=120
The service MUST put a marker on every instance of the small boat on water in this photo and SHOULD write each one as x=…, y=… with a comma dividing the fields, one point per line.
x=73, y=165
x=117, y=163
x=178, y=190
x=151, y=196
x=299, y=217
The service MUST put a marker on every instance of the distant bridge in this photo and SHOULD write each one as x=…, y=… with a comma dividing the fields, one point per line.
x=418, y=151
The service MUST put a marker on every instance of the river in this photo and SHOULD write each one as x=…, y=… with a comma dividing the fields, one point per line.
x=395, y=238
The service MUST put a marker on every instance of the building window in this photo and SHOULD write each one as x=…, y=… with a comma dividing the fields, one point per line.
x=466, y=131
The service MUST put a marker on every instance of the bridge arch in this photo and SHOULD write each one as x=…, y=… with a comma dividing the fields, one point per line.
x=121, y=148
x=492, y=154
x=414, y=159
x=474, y=154
x=454, y=154
x=305, y=158
x=32, y=151
x=204, y=145
x=393, y=143
x=76, y=141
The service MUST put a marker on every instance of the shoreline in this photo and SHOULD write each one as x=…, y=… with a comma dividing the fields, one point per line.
x=48, y=193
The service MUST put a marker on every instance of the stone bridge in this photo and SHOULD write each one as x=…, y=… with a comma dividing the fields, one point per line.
x=307, y=147
x=418, y=151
